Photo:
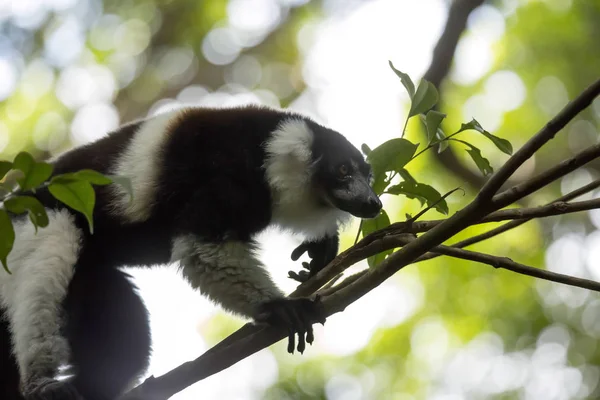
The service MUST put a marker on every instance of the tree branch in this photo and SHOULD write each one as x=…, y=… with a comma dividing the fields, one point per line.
x=513, y=224
x=557, y=208
x=548, y=132
x=532, y=185
x=508, y=264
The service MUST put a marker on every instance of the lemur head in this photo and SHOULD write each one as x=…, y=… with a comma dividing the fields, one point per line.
x=309, y=162
x=341, y=174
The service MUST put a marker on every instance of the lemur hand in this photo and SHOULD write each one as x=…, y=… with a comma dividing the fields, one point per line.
x=296, y=315
x=321, y=253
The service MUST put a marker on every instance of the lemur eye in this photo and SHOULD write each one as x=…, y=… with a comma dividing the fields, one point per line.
x=343, y=170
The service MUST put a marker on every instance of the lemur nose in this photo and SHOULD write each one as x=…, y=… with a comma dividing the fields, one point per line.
x=372, y=207
x=375, y=203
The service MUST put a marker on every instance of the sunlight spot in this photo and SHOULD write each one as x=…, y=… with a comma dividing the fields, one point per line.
x=505, y=91
x=220, y=47
x=50, y=132
x=551, y=95
x=473, y=59
x=486, y=21
x=93, y=121
x=8, y=72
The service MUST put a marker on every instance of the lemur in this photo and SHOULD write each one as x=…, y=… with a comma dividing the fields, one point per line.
x=204, y=183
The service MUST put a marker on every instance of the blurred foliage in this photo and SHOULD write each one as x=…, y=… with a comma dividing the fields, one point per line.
x=74, y=69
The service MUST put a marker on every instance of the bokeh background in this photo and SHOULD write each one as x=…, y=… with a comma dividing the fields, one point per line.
x=72, y=70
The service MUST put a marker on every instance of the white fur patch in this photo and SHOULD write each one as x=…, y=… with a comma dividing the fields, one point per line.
x=289, y=168
x=141, y=163
x=42, y=267
x=228, y=273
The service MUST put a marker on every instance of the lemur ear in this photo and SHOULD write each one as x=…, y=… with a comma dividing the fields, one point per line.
x=293, y=138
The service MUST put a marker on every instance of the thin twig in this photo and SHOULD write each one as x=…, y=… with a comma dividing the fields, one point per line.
x=508, y=264
x=513, y=224
x=532, y=185
x=420, y=214
x=326, y=291
x=557, y=208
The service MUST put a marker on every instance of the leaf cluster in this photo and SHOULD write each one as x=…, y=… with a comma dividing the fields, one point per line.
x=75, y=190
x=390, y=159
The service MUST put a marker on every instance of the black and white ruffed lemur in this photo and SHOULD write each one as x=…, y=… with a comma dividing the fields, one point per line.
x=205, y=182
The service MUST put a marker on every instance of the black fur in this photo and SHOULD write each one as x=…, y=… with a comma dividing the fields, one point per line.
x=9, y=373
x=107, y=328
x=212, y=184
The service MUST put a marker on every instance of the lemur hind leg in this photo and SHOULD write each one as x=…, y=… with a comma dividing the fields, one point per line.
x=108, y=332
x=32, y=300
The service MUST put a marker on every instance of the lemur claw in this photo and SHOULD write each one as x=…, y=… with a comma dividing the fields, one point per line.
x=297, y=315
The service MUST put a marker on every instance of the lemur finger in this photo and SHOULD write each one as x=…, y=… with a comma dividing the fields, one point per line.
x=307, y=327
x=281, y=317
x=298, y=251
x=301, y=342
x=299, y=327
x=291, y=342
x=306, y=265
x=299, y=322
x=310, y=336
x=301, y=276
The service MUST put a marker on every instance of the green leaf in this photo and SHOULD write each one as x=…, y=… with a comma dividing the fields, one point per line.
x=365, y=149
x=442, y=144
x=422, y=192
x=406, y=81
x=502, y=144
x=379, y=183
x=7, y=238
x=91, y=176
x=482, y=163
x=372, y=225
x=433, y=119
x=34, y=173
x=473, y=124
x=79, y=195
x=407, y=176
x=425, y=97
x=391, y=155
x=5, y=166
x=31, y=205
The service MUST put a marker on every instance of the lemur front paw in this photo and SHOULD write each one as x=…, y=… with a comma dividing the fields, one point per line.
x=50, y=389
x=321, y=253
x=297, y=316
